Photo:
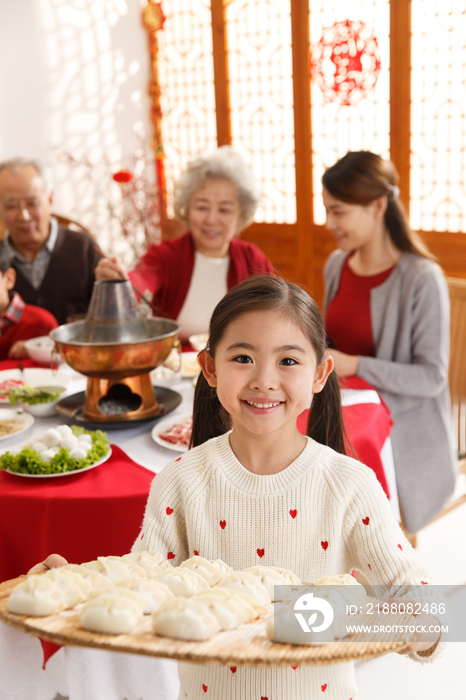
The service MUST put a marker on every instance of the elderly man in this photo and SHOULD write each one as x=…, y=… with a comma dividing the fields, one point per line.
x=54, y=265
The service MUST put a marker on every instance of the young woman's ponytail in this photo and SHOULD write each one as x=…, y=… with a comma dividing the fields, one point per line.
x=325, y=422
x=209, y=417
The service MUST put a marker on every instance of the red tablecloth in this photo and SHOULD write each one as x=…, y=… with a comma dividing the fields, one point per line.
x=367, y=425
x=96, y=513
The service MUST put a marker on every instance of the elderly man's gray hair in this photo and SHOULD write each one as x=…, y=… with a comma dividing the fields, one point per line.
x=43, y=170
x=222, y=164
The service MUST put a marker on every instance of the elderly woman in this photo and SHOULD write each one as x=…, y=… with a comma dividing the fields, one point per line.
x=216, y=197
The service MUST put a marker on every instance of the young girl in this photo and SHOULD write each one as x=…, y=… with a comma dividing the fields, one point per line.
x=387, y=314
x=265, y=494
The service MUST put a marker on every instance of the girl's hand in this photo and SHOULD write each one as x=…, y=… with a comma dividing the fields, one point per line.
x=425, y=640
x=345, y=365
x=107, y=269
x=53, y=561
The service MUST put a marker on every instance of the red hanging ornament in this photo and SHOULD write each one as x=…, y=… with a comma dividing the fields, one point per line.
x=346, y=62
x=122, y=177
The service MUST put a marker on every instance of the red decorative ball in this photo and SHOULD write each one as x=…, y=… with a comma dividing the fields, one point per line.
x=123, y=176
x=346, y=62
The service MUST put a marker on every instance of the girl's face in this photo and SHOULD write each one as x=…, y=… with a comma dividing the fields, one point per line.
x=214, y=217
x=265, y=371
x=353, y=226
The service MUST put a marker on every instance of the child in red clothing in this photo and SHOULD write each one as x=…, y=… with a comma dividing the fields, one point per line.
x=19, y=321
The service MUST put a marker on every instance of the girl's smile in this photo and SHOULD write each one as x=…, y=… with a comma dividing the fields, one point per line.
x=265, y=372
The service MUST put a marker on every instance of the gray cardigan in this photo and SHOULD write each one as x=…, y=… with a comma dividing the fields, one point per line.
x=410, y=316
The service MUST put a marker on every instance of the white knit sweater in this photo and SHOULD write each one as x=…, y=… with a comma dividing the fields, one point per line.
x=323, y=514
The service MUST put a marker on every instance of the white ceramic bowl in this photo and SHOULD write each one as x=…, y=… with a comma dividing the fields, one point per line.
x=163, y=376
x=199, y=341
x=40, y=350
x=42, y=410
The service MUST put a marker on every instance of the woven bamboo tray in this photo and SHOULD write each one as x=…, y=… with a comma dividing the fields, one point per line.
x=248, y=645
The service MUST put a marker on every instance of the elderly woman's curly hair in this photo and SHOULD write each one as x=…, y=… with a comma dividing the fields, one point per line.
x=222, y=164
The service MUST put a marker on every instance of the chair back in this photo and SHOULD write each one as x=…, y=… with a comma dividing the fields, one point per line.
x=457, y=372
x=72, y=224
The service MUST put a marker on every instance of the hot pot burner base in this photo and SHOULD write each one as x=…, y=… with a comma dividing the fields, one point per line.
x=72, y=408
x=119, y=399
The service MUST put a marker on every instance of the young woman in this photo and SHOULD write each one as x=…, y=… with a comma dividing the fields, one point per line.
x=387, y=315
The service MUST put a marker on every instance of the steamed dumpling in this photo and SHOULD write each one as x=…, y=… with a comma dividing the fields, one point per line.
x=185, y=618
x=247, y=583
x=149, y=561
x=115, y=568
x=97, y=581
x=155, y=594
x=222, y=566
x=210, y=572
x=75, y=588
x=343, y=588
x=37, y=596
x=271, y=576
x=282, y=627
x=110, y=613
x=338, y=580
x=230, y=607
x=183, y=582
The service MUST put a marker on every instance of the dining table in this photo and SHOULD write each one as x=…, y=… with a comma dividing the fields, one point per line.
x=99, y=512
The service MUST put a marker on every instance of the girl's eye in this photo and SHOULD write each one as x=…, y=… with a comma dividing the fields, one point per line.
x=288, y=362
x=242, y=359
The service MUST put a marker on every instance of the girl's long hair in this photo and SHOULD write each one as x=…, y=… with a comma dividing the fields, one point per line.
x=264, y=293
x=362, y=176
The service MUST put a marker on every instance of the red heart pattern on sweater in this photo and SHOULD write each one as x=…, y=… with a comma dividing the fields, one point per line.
x=223, y=524
x=424, y=583
x=400, y=547
x=370, y=567
x=204, y=688
x=196, y=553
x=170, y=555
x=177, y=460
x=169, y=510
x=260, y=552
x=323, y=687
x=294, y=668
x=233, y=669
x=293, y=513
x=324, y=545
x=264, y=698
x=366, y=520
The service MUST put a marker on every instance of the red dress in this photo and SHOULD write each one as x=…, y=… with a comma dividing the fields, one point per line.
x=348, y=319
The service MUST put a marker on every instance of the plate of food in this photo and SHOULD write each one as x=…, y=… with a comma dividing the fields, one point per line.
x=60, y=451
x=14, y=421
x=190, y=365
x=7, y=384
x=174, y=433
x=32, y=376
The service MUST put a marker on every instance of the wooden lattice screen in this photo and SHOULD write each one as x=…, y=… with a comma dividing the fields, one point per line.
x=239, y=72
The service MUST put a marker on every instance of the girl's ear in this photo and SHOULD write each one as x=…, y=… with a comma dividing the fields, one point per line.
x=322, y=374
x=208, y=367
